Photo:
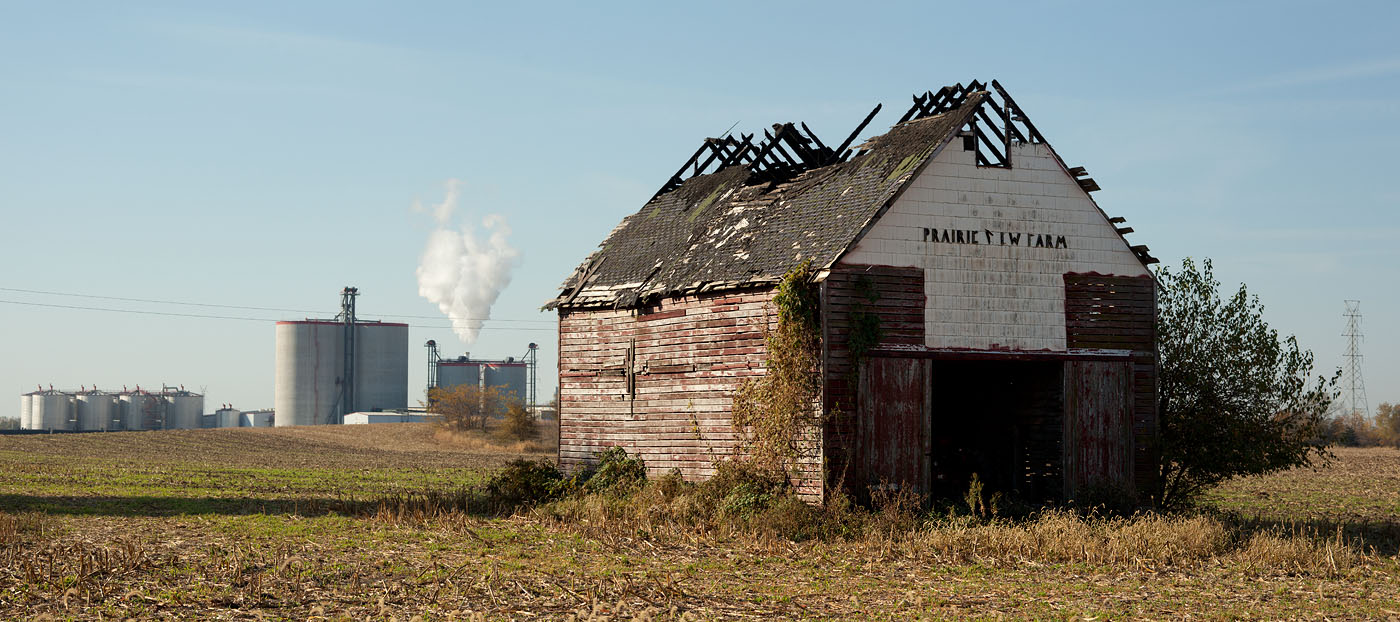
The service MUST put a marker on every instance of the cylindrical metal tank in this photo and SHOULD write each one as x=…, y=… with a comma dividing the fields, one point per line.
x=381, y=366
x=227, y=418
x=26, y=412
x=456, y=373
x=140, y=411
x=310, y=365
x=507, y=377
x=52, y=411
x=255, y=419
x=96, y=411
x=183, y=410
x=306, y=387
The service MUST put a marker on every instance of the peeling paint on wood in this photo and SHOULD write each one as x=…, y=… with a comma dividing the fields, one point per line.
x=894, y=419
x=1098, y=426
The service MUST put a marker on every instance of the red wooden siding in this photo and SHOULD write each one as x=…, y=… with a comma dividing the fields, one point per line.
x=900, y=307
x=661, y=383
x=1098, y=435
x=1120, y=312
x=893, y=424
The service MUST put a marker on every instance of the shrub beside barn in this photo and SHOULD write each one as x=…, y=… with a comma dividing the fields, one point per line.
x=1004, y=324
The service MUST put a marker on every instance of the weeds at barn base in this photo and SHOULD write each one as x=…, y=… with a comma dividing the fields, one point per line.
x=745, y=503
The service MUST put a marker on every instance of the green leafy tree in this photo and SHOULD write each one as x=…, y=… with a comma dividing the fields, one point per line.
x=1235, y=399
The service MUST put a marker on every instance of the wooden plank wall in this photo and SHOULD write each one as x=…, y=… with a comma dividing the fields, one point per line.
x=660, y=382
x=894, y=436
x=1120, y=312
x=900, y=307
x=1098, y=434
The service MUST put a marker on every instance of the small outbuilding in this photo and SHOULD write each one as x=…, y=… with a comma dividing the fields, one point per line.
x=1016, y=336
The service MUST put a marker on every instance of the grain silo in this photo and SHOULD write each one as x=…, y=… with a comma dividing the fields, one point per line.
x=459, y=371
x=506, y=376
x=52, y=410
x=26, y=411
x=381, y=367
x=141, y=411
x=315, y=356
x=96, y=410
x=183, y=409
x=226, y=417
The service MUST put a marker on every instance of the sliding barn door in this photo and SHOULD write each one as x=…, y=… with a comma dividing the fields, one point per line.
x=894, y=421
x=1098, y=426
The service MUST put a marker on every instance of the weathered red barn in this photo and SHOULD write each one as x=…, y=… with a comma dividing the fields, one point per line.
x=1015, y=322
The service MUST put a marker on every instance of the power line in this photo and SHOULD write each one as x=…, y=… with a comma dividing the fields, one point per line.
x=251, y=308
x=230, y=317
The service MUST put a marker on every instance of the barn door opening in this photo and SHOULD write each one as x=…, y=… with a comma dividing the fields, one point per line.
x=893, y=425
x=1000, y=420
x=1098, y=433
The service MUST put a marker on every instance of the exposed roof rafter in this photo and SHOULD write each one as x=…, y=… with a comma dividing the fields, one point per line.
x=785, y=151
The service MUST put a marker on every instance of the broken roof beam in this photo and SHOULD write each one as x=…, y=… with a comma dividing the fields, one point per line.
x=1017, y=114
x=1142, y=252
x=1006, y=118
x=727, y=151
x=841, y=152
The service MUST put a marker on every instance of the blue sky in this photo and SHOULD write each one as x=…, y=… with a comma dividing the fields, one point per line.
x=266, y=154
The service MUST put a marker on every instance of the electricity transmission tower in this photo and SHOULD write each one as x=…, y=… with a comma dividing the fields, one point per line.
x=1354, y=382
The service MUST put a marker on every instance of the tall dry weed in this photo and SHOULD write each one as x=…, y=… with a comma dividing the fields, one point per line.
x=1281, y=552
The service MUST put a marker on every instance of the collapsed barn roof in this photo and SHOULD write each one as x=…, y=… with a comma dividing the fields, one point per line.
x=739, y=214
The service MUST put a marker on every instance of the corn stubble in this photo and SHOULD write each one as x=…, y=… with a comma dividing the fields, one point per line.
x=666, y=549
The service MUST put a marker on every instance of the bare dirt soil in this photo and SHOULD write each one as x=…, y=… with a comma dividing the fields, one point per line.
x=403, y=445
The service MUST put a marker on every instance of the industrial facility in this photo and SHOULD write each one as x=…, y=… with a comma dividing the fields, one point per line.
x=92, y=410
x=327, y=369
x=511, y=376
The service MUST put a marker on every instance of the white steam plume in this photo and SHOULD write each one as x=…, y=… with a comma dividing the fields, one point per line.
x=464, y=274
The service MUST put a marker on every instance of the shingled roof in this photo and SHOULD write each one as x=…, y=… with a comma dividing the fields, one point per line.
x=750, y=221
x=721, y=231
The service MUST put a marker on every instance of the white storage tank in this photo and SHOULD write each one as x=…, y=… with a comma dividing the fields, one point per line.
x=52, y=411
x=96, y=411
x=140, y=411
x=381, y=366
x=310, y=364
x=507, y=376
x=255, y=419
x=227, y=417
x=184, y=410
x=26, y=412
x=306, y=389
x=459, y=372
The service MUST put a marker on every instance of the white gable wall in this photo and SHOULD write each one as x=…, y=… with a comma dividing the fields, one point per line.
x=995, y=293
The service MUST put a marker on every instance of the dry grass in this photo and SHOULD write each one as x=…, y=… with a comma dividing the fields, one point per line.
x=663, y=554
x=546, y=441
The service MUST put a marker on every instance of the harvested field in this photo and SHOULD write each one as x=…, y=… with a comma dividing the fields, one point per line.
x=248, y=524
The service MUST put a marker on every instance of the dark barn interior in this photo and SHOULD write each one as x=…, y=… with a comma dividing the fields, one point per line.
x=1000, y=420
